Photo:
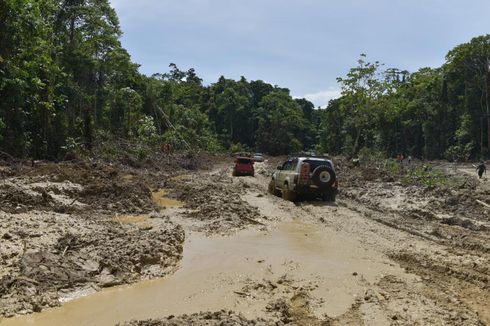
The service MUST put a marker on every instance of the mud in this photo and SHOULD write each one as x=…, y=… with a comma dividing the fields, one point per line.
x=389, y=252
x=261, y=274
x=66, y=231
x=48, y=257
x=455, y=225
x=214, y=201
x=225, y=318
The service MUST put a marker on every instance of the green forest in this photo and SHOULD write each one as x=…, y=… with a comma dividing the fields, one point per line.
x=67, y=84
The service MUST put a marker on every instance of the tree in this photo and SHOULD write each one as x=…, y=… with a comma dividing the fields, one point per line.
x=361, y=88
x=280, y=124
x=29, y=78
x=469, y=64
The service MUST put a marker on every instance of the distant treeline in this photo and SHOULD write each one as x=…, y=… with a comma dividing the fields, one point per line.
x=67, y=84
x=432, y=113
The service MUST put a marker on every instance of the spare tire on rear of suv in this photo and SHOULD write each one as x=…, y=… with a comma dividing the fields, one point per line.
x=323, y=177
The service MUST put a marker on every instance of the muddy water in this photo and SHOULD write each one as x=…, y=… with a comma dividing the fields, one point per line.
x=131, y=219
x=214, y=267
x=160, y=198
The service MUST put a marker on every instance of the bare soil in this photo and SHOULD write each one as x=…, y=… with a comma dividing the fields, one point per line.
x=62, y=235
x=387, y=252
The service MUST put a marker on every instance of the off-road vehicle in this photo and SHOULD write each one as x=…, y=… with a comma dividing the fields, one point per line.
x=243, y=166
x=308, y=175
x=258, y=157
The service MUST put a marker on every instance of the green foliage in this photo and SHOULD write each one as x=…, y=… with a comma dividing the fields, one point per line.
x=361, y=90
x=369, y=156
x=67, y=84
x=189, y=128
x=424, y=175
x=72, y=145
x=280, y=124
x=431, y=113
x=460, y=153
x=464, y=147
x=146, y=130
x=392, y=167
x=237, y=148
x=125, y=111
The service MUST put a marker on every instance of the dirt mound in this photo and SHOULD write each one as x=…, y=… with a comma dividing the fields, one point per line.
x=48, y=256
x=285, y=311
x=11, y=199
x=19, y=195
x=444, y=275
x=69, y=188
x=452, y=199
x=118, y=195
x=217, y=205
x=221, y=318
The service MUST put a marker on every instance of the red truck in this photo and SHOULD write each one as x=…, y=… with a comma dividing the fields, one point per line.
x=243, y=166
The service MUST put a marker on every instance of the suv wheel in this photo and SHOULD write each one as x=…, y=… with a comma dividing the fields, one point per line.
x=272, y=189
x=288, y=194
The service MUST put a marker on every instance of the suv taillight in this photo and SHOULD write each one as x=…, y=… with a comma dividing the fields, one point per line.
x=304, y=173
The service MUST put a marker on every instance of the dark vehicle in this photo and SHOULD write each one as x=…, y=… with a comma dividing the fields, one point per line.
x=243, y=166
x=313, y=176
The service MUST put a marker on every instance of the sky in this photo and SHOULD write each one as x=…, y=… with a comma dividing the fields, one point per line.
x=303, y=45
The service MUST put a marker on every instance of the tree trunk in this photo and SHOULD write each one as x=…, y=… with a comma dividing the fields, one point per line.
x=87, y=119
x=356, y=143
x=487, y=107
x=231, y=130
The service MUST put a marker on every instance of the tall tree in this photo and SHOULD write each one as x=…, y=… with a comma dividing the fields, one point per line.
x=470, y=64
x=361, y=88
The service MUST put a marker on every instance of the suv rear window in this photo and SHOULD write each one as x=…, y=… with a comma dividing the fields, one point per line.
x=316, y=163
x=244, y=161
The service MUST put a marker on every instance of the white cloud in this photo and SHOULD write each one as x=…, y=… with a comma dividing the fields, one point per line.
x=323, y=97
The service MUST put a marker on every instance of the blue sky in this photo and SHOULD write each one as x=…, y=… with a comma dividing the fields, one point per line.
x=303, y=45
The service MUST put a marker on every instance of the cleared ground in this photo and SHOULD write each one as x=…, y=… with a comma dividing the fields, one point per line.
x=387, y=253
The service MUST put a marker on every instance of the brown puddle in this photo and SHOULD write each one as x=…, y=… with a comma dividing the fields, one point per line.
x=182, y=177
x=215, y=269
x=131, y=219
x=160, y=198
x=128, y=177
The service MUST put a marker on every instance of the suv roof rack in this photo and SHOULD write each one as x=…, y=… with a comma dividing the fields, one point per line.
x=309, y=155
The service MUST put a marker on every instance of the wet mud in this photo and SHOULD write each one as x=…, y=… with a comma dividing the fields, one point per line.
x=202, y=248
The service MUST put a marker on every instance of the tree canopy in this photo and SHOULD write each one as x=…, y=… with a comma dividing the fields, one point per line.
x=66, y=81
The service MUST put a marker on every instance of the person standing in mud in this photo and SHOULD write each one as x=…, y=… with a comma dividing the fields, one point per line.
x=481, y=168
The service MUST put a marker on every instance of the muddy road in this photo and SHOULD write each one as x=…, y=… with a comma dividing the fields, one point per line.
x=84, y=245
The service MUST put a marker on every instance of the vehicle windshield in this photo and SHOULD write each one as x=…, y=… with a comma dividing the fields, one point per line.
x=244, y=161
x=316, y=163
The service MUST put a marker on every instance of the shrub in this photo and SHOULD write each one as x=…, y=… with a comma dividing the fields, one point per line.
x=424, y=175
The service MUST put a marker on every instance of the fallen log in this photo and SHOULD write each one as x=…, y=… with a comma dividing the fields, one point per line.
x=483, y=203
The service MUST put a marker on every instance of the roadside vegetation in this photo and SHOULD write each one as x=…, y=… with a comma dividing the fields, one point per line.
x=68, y=86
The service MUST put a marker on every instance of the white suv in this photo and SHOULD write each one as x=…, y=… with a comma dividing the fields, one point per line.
x=305, y=176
